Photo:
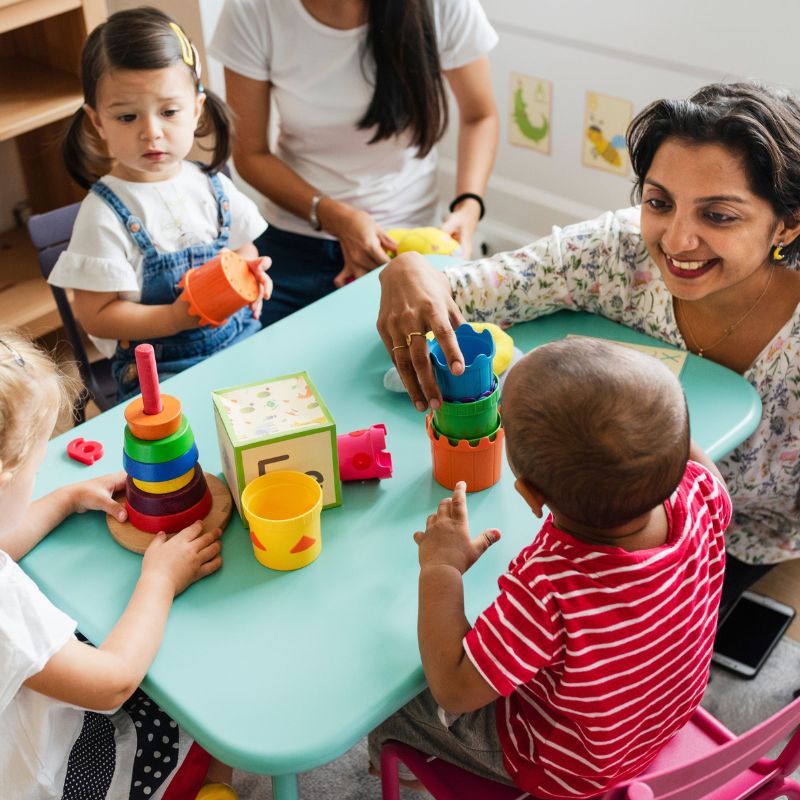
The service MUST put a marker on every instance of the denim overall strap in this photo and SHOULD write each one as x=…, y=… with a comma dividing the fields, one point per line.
x=161, y=273
x=131, y=222
x=223, y=212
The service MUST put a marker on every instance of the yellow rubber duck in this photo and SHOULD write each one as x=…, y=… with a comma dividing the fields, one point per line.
x=428, y=241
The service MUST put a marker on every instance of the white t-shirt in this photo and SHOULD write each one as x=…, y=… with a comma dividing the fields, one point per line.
x=321, y=92
x=36, y=732
x=176, y=213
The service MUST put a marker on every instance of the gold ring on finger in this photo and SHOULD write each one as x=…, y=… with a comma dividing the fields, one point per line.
x=413, y=333
x=399, y=347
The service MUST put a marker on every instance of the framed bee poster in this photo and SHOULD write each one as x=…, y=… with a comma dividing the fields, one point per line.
x=531, y=112
x=603, y=141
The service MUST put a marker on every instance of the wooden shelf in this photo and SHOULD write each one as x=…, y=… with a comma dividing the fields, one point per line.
x=25, y=298
x=15, y=14
x=33, y=95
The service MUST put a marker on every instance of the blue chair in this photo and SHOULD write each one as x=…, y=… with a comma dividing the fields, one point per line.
x=50, y=233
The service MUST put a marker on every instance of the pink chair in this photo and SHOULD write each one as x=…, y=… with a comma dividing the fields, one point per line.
x=704, y=760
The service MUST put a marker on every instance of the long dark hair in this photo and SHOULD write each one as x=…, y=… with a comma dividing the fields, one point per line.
x=137, y=39
x=760, y=123
x=409, y=89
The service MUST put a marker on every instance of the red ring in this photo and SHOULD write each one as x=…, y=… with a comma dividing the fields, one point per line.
x=170, y=523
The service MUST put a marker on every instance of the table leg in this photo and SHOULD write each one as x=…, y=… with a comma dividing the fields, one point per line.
x=284, y=787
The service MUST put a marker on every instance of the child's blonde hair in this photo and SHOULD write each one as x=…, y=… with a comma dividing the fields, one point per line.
x=33, y=391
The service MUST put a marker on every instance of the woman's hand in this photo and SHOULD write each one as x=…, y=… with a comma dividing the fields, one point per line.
x=415, y=298
x=184, y=558
x=259, y=266
x=461, y=224
x=364, y=242
x=97, y=494
x=446, y=541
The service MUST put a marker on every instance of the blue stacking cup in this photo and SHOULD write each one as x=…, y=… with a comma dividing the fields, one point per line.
x=476, y=380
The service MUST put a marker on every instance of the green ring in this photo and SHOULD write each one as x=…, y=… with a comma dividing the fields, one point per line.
x=160, y=450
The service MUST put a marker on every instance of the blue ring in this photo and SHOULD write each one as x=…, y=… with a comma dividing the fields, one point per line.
x=165, y=471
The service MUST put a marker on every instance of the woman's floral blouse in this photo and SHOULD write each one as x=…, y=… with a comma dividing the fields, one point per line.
x=603, y=267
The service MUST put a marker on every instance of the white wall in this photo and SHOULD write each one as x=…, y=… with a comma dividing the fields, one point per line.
x=633, y=49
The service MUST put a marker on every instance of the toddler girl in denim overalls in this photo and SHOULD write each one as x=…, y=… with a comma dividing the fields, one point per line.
x=153, y=215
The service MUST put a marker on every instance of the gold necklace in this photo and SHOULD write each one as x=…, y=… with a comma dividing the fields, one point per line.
x=731, y=328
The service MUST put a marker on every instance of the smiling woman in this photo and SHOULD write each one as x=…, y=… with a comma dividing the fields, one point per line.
x=707, y=263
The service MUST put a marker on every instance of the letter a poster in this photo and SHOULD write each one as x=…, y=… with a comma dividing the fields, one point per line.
x=531, y=100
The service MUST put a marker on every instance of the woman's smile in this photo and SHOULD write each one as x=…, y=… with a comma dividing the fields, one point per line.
x=691, y=269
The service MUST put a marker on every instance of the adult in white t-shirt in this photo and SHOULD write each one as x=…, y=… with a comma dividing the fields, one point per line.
x=360, y=94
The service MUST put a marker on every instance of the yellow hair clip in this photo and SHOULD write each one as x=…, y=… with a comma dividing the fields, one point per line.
x=187, y=51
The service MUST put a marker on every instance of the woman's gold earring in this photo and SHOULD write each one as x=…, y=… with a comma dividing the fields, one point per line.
x=777, y=252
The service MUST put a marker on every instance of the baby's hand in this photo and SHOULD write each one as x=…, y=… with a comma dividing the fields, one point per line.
x=259, y=267
x=446, y=538
x=97, y=495
x=184, y=558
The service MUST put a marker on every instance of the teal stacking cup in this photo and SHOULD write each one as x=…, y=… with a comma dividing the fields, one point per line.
x=468, y=420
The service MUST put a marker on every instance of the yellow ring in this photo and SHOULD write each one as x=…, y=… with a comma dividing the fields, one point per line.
x=163, y=487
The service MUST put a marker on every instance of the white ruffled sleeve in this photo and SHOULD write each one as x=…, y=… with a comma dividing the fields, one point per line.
x=100, y=255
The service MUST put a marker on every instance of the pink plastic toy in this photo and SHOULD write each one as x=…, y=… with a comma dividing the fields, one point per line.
x=85, y=450
x=148, y=378
x=363, y=454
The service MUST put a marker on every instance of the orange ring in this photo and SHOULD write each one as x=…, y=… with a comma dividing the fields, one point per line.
x=153, y=426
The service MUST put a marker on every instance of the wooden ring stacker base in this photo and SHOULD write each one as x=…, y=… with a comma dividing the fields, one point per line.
x=133, y=539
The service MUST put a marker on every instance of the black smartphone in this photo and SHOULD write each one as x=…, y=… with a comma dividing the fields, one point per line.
x=749, y=632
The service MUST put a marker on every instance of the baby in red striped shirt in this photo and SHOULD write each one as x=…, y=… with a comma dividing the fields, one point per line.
x=596, y=650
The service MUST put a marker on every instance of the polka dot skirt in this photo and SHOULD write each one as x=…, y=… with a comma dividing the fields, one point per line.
x=93, y=757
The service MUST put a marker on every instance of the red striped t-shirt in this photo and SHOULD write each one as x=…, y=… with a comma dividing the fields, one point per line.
x=601, y=654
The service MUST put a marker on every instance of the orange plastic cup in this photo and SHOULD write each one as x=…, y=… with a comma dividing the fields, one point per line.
x=219, y=288
x=478, y=465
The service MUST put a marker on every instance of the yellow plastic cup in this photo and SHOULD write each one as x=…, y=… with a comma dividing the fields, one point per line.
x=283, y=510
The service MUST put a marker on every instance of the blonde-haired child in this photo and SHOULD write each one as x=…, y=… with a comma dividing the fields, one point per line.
x=72, y=721
x=151, y=214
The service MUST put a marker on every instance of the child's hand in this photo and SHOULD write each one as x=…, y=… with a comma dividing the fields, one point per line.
x=97, y=494
x=348, y=275
x=259, y=267
x=181, y=318
x=185, y=558
x=446, y=538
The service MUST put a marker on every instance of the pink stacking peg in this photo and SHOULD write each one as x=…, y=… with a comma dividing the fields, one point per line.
x=148, y=378
x=363, y=454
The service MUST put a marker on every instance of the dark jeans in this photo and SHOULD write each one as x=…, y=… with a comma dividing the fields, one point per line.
x=302, y=271
x=739, y=576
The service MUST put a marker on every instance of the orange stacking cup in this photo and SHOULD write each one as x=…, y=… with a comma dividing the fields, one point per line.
x=219, y=288
x=477, y=465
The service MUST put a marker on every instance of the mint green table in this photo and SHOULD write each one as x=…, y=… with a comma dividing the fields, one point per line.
x=278, y=673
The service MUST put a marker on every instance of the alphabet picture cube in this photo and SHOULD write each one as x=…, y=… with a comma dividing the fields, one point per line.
x=276, y=424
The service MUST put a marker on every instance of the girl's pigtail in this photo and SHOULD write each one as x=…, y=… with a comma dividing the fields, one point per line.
x=217, y=120
x=74, y=149
x=84, y=152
